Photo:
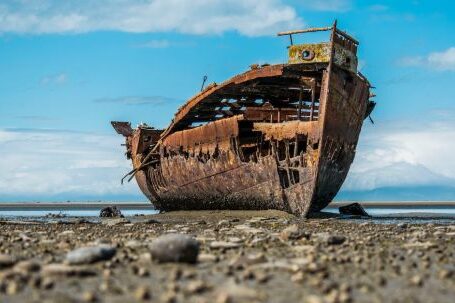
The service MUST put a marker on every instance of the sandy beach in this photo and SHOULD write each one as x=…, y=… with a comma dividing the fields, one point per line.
x=241, y=256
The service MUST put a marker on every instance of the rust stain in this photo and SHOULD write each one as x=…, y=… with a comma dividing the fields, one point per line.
x=275, y=137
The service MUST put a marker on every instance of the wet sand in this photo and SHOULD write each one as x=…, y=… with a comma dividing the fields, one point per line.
x=244, y=256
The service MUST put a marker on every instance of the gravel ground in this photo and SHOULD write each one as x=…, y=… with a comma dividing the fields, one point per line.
x=238, y=256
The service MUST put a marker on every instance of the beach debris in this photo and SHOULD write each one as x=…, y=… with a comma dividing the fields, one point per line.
x=175, y=248
x=90, y=254
x=353, y=209
x=110, y=212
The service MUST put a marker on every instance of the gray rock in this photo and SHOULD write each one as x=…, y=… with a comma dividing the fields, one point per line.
x=91, y=254
x=354, y=209
x=175, y=248
x=110, y=211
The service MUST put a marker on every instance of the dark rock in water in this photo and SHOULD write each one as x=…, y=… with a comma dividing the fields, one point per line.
x=354, y=209
x=175, y=248
x=110, y=212
x=86, y=255
x=55, y=216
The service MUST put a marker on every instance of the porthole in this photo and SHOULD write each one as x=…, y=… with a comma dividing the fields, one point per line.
x=307, y=54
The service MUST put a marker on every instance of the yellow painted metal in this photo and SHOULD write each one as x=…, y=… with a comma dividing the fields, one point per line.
x=320, y=53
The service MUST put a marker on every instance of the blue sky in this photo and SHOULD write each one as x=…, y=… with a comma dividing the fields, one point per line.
x=67, y=68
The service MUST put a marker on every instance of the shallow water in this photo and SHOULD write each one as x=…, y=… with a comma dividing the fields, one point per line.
x=379, y=215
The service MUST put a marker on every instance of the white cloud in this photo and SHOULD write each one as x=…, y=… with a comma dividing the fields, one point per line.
x=444, y=61
x=138, y=100
x=378, y=8
x=404, y=154
x=248, y=17
x=44, y=163
x=155, y=44
x=327, y=5
x=56, y=79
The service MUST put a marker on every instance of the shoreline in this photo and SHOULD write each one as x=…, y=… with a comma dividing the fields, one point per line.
x=149, y=206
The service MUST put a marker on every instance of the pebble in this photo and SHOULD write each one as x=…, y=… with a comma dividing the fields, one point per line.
x=291, y=233
x=47, y=283
x=207, y=258
x=223, y=223
x=114, y=222
x=232, y=292
x=335, y=239
x=12, y=288
x=224, y=245
x=446, y=273
x=27, y=266
x=6, y=261
x=243, y=261
x=142, y=293
x=175, y=248
x=66, y=233
x=89, y=296
x=196, y=286
x=66, y=270
x=402, y=225
x=90, y=254
x=416, y=280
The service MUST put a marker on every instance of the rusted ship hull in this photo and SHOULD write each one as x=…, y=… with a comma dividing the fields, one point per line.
x=276, y=137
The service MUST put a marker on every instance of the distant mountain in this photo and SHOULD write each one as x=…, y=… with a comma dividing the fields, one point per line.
x=401, y=193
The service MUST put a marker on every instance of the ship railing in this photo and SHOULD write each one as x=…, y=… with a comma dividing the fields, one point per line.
x=318, y=29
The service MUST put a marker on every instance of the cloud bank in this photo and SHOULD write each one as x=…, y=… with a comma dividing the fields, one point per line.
x=50, y=165
x=248, y=17
x=53, y=165
x=443, y=61
x=405, y=154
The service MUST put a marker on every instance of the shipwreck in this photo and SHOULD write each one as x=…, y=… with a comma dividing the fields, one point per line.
x=279, y=136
